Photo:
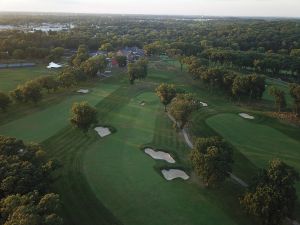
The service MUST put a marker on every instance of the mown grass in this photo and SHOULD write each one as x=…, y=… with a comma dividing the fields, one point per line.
x=43, y=124
x=258, y=142
x=129, y=183
x=244, y=166
x=11, y=78
x=111, y=181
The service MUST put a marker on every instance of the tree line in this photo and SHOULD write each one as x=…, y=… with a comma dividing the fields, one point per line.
x=286, y=67
x=25, y=178
x=82, y=67
x=240, y=87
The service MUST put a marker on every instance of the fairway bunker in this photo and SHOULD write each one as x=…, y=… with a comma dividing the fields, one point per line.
x=174, y=173
x=83, y=91
x=159, y=155
x=142, y=103
x=204, y=104
x=102, y=131
x=246, y=116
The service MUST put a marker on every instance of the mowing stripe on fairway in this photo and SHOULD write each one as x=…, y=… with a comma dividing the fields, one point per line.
x=258, y=142
x=124, y=179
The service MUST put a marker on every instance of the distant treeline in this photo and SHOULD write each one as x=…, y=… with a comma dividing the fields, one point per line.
x=267, y=46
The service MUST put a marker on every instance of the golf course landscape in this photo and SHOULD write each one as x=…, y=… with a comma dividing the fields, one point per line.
x=111, y=180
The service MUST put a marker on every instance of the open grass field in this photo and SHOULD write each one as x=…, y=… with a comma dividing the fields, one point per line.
x=11, y=78
x=258, y=142
x=110, y=181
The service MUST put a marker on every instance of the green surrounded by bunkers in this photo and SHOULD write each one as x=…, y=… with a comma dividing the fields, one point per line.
x=111, y=180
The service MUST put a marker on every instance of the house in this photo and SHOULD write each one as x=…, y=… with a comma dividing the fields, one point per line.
x=132, y=53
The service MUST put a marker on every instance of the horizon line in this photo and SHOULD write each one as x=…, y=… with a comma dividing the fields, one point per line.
x=150, y=14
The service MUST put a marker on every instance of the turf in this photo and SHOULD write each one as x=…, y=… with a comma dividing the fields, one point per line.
x=11, y=78
x=124, y=179
x=111, y=181
x=258, y=142
x=43, y=124
x=117, y=160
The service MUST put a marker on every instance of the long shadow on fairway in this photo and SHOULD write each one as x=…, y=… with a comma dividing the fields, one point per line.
x=80, y=205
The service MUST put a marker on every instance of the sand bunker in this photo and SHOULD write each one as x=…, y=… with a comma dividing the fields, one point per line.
x=204, y=104
x=159, y=155
x=83, y=91
x=174, y=173
x=246, y=116
x=142, y=103
x=102, y=131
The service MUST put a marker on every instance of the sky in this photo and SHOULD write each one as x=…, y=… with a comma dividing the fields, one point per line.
x=267, y=8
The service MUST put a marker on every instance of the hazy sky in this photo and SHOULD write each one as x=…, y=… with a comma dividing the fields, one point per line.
x=285, y=8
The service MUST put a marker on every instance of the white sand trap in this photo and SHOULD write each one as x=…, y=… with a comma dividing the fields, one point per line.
x=204, y=104
x=83, y=91
x=142, y=103
x=173, y=174
x=246, y=116
x=102, y=131
x=159, y=155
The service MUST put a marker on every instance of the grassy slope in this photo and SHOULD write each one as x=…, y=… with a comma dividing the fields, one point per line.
x=11, y=78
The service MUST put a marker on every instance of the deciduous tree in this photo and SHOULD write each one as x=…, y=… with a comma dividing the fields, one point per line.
x=279, y=96
x=166, y=93
x=272, y=197
x=182, y=107
x=212, y=160
x=4, y=101
x=83, y=116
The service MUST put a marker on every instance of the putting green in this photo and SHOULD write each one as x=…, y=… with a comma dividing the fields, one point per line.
x=124, y=179
x=258, y=142
x=43, y=124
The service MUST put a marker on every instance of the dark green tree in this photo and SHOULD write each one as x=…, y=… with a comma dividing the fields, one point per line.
x=166, y=93
x=212, y=160
x=272, y=197
x=83, y=116
x=4, y=101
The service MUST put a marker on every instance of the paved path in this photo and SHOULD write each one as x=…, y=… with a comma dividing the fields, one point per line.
x=190, y=144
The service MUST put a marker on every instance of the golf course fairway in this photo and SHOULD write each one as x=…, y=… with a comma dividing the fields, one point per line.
x=258, y=142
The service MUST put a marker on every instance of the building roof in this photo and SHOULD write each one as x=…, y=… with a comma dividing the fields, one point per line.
x=53, y=65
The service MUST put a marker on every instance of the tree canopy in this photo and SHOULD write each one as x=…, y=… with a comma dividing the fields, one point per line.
x=166, y=93
x=83, y=116
x=272, y=196
x=212, y=160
